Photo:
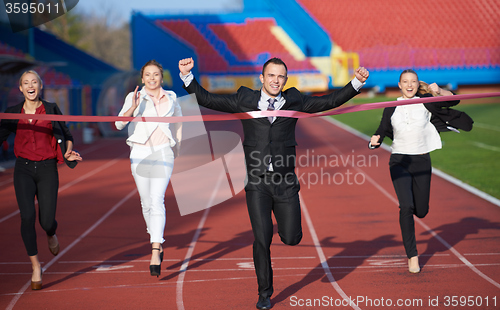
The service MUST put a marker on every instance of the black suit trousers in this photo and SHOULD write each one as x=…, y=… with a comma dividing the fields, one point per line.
x=411, y=177
x=38, y=179
x=266, y=194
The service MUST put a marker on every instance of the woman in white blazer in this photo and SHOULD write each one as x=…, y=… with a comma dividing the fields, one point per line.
x=414, y=130
x=153, y=149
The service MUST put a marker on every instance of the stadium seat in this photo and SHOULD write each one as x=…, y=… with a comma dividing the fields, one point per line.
x=443, y=33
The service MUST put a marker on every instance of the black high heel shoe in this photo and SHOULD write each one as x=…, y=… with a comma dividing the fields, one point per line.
x=155, y=270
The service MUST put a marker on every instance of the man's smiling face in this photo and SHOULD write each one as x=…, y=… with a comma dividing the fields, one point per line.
x=274, y=79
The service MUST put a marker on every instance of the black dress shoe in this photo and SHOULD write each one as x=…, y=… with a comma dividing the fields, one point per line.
x=54, y=247
x=264, y=303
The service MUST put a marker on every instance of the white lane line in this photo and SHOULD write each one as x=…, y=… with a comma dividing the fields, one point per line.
x=457, y=254
x=187, y=258
x=15, y=263
x=482, y=254
x=419, y=221
x=384, y=256
x=402, y=264
x=486, y=126
x=91, y=173
x=240, y=259
x=11, y=163
x=321, y=254
x=467, y=187
x=80, y=238
x=171, y=260
x=155, y=284
x=66, y=186
x=6, y=181
x=437, y=172
x=11, y=215
x=169, y=284
x=486, y=146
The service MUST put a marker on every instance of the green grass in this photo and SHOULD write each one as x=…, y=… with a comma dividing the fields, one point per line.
x=473, y=157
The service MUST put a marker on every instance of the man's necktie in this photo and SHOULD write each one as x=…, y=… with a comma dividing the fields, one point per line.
x=271, y=108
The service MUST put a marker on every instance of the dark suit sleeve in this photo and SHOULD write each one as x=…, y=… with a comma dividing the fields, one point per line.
x=223, y=103
x=385, y=127
x=64, y=129
x=4, y=134
x=4, y=131
x=441, y=104
x=444, y=116
x=313, y=104
x=7, y=126
x=62, y=133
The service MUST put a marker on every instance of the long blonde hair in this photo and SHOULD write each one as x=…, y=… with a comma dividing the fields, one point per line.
x=32, y=72
x=423, y=88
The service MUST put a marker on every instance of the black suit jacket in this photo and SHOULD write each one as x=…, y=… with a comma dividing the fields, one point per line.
x=261, y=138
x=442, y=117
x=60, y=130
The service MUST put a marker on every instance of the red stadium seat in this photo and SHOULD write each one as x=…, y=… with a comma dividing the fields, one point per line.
x=439, y=33
x=251, y=43
x=210, y=58
x=250, y=39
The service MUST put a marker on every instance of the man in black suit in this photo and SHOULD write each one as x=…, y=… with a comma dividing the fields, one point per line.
x=269, y=146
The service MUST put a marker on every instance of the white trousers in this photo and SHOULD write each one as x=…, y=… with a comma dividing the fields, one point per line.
x=152, y=168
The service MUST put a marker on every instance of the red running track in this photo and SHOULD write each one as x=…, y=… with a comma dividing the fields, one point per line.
x=351, y=248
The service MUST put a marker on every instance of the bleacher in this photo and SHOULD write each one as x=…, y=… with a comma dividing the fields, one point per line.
x=210, y=59
x=9, y=50
x=234, y=47
x=322, y=42
x=252, y=39
x=71, y=77
x=53, y=78
x=428, y=34
x=50, y=77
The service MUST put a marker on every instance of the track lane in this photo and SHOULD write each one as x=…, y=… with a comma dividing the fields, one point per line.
x=356, y=227
x=375, y=225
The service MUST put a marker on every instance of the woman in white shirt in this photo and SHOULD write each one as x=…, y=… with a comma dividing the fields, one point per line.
x=153, y=149
x=413, y=136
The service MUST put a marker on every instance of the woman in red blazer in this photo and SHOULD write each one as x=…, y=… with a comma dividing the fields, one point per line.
x=39, y=145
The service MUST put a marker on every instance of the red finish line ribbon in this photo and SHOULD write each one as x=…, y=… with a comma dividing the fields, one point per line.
x=244, y=115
